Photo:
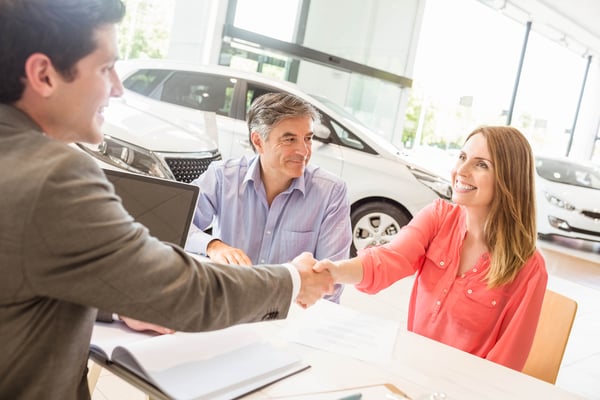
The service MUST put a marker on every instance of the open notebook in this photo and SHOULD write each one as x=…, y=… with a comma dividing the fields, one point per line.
x=218, y=365
x=165, y=207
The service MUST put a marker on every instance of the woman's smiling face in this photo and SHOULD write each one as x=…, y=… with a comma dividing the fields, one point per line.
x=473, y=175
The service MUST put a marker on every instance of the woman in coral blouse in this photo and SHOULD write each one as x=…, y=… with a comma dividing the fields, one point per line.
x=480, y=280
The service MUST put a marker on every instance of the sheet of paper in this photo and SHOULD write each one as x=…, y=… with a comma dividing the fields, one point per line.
x=332, y=327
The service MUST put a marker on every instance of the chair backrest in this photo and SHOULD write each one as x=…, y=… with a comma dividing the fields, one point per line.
x=551, y=337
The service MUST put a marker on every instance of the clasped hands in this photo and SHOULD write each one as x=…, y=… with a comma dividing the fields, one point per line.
x=316, y=282
x=317, y=279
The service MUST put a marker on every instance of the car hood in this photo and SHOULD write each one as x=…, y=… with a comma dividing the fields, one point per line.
x=153, y=132
x=578, y=196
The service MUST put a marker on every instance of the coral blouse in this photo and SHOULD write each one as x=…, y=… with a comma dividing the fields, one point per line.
x=497, y=324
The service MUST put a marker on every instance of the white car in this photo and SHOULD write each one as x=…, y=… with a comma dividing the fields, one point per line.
x=385, y=190
x=143, y=142
x=568, y=198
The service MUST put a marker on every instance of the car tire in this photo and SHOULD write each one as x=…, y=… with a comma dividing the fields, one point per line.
x=375, y=223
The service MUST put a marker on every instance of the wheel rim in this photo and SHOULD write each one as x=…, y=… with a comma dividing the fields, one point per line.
x=374, y=229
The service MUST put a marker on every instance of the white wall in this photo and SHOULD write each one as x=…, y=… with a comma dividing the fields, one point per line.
x=197, y=30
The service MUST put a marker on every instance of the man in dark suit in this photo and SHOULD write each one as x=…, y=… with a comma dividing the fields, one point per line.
x=67, y=246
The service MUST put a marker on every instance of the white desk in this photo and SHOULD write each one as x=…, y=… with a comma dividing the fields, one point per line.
x=418, y=365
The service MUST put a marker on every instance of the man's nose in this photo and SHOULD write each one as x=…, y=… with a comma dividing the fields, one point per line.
x=117, y=85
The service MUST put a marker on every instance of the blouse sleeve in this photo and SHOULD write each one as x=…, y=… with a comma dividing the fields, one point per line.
x=383, y=265
x=517, y=332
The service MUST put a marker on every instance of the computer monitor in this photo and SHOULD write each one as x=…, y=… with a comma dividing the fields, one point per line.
x=165, y=207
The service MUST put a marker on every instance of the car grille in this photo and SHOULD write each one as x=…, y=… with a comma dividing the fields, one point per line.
x=188, y=169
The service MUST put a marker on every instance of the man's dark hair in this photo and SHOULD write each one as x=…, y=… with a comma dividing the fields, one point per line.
x=63, y=30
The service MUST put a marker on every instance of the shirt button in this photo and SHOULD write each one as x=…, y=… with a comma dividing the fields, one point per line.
x=442, y=263
x=469, y=291
x=262, y=261
x=445, y=291
x=438, y=302
x=268, y=232
x=493, y=302
x=474, y=269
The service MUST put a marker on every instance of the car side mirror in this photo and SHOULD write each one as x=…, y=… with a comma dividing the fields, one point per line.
x=321, y=131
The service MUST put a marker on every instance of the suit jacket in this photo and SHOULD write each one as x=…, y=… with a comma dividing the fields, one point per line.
x=68, y=247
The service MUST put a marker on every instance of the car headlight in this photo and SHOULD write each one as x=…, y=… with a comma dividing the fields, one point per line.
x=434, y=182
x=128, y=156
x=555, y=201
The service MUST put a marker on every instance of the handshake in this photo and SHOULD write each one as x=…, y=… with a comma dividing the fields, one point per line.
x=318, y=277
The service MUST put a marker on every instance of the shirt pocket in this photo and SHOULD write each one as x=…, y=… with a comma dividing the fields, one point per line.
x=437, y=256
x=479, y=308
x=292, y=243
x=434, y=266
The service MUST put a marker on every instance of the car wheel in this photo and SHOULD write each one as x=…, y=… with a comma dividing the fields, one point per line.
x=375, y=223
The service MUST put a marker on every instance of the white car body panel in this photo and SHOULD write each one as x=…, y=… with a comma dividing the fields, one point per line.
x=582, y=199
x=148, y=129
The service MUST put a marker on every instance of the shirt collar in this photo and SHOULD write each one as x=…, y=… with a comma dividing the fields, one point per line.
x=253, y=175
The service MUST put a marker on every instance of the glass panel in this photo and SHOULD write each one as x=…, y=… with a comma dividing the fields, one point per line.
x=464, y=71
x=548, y=94
x=258, y=16
x=199, y=91
x=568, y=172
x=145, y=80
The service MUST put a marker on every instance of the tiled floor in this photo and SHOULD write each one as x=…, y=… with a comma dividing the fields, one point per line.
x=574, y=269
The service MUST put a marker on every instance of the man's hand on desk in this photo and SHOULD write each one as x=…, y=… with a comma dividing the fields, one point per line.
x=225, y=254
x=145, y=326
x=314, y=284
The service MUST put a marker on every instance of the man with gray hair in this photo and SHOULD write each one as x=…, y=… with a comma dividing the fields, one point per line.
x=273, y=206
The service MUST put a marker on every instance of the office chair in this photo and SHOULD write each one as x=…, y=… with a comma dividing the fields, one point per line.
x=551, y=337
x=93, y=375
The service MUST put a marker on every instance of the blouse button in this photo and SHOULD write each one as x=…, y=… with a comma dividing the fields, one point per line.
x=474, y=269
x=438, y=302
x=493, y=302
x=442, y=263
x=470, y=291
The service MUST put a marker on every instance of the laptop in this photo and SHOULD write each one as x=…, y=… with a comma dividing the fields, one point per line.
x=163, y=206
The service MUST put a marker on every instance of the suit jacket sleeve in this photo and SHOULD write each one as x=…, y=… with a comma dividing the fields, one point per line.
x=86, y=249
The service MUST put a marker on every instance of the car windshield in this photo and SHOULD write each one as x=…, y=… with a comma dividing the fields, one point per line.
x=340, y=110
x=568, y=172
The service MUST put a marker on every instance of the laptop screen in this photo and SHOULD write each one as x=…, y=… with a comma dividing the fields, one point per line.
x=165, y=207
